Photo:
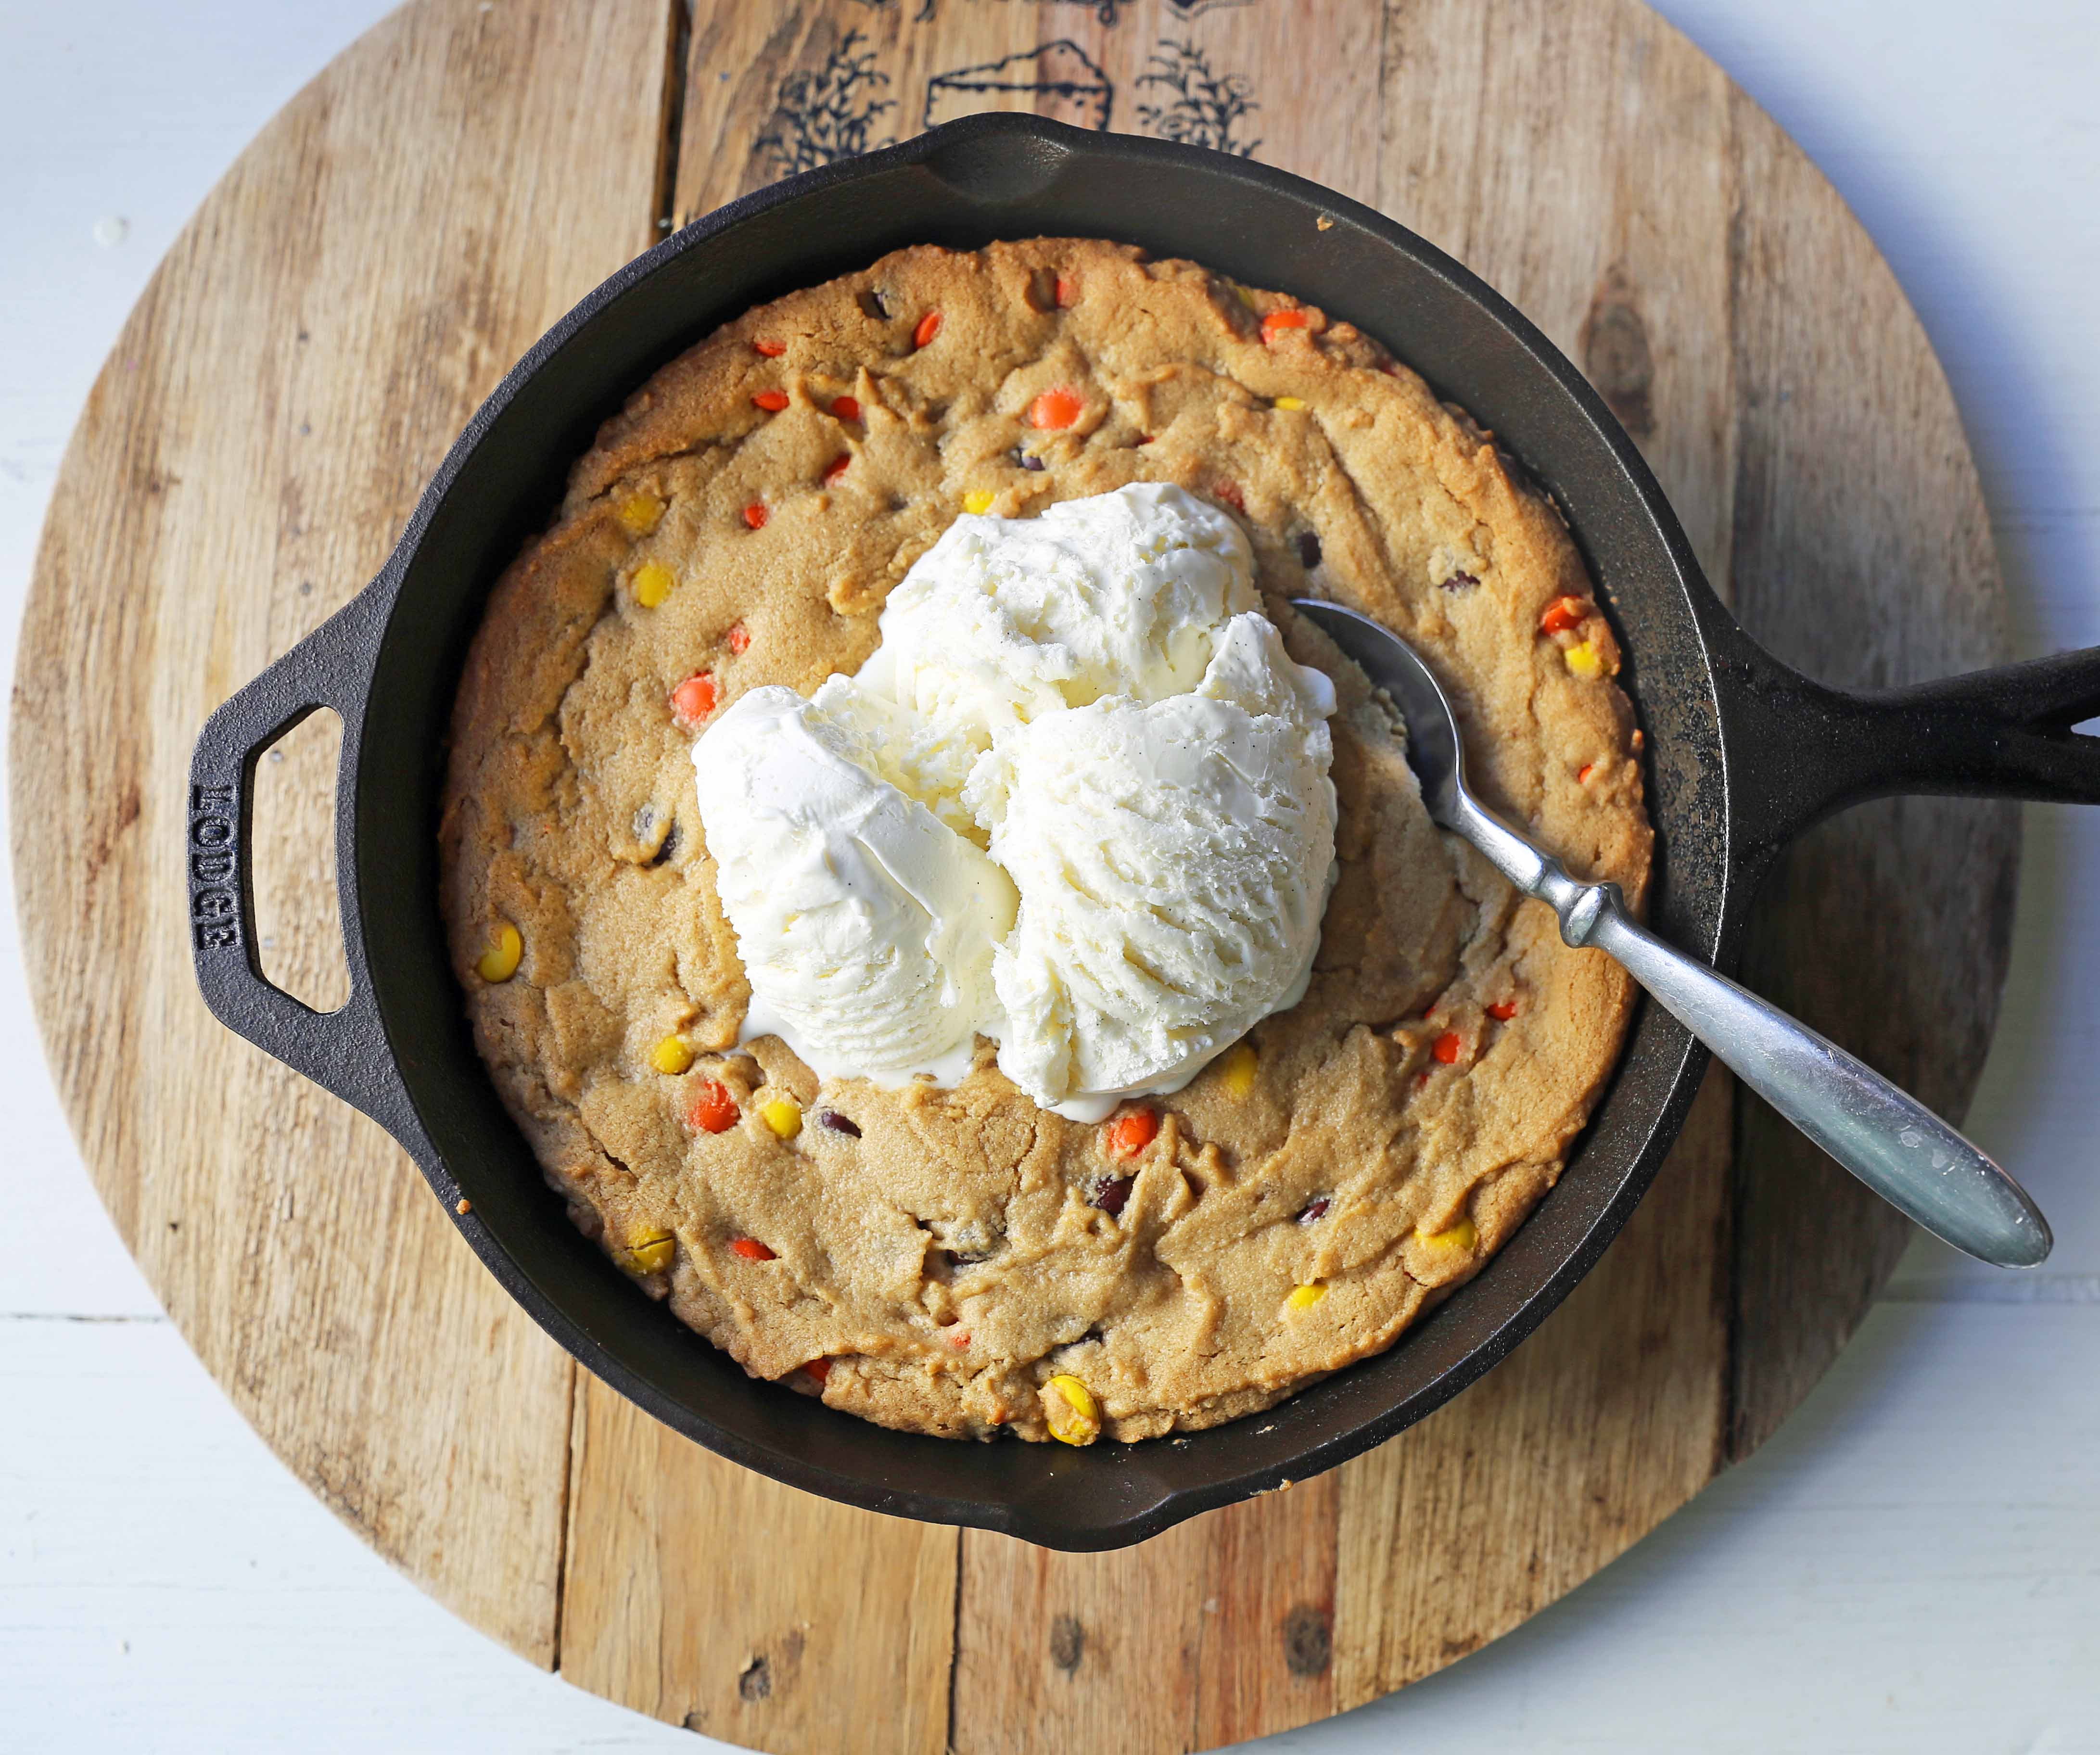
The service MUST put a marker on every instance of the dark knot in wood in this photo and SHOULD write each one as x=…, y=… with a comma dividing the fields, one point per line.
x=756, y=1681
x=1615, y=353
x=1068, y=1643
x=1308, y=1640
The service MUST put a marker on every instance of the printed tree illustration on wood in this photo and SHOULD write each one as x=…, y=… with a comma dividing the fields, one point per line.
x=1107, y=13
x=1196, y=107
x=829, y=112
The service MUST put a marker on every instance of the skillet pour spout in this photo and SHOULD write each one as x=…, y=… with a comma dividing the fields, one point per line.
x=1741, y=754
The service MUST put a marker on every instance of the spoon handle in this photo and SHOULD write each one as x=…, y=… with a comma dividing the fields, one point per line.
x=1887, y=1139
x=1885, y=1136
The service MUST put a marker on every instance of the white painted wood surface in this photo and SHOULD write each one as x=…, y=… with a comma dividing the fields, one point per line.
x=1913, y=1564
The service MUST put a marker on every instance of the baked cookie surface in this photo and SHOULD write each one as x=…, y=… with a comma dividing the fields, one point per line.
x=933, y=1259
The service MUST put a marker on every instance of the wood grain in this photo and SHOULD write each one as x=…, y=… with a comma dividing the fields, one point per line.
x=706, y=1595
x=1595, y=1429
x=298, y=916
x=1219, y=1630
x=362, y=277
x=1607, y=225
x=327, y=322
x=1863, y=555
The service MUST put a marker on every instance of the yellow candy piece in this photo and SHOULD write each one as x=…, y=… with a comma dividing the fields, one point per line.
x=1305, y=1297
x=1585, y=661
x=1237, y=1069
x=784, y=1115
x=977, y=502
x=672, y=1055
x=648, y=1254
x=639, y=513
x=652, y=584
x=499, y=962
x=1070, y=1410
x=1290, y=402
x=1461, y=1236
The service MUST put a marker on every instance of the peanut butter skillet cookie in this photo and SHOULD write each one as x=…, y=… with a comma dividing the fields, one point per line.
x=962, y=1252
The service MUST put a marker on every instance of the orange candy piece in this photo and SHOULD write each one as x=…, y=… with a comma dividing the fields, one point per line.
x=772, y=401
x=755, y=514
x=738, y=640
x=771, y=350
x=846, y=408
x=1278, y=321
x=1503, y=1010
x=713, y=1109
x=1068, y=290
x=1130, y=1134
x=1447, y=1047
x=930, y=326
x=1056, y=409
x=751, y=1249
x=837, y=467
x=694, y=699
x=819, y=1368
x=1561, y=614
x=1229, y=492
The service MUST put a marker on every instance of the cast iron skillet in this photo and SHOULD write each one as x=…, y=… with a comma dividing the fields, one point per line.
x=1743, y=755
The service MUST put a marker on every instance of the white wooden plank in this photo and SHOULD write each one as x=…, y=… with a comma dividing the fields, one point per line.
x=127, y=112
x=1911, y=1565
x=165, y=1584
x=1963, y=139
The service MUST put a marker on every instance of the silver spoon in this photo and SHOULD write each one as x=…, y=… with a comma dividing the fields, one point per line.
x=1887, y=1139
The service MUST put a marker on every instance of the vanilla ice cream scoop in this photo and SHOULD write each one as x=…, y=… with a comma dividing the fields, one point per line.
x=1174, y=859
x=1077, y=802
x=1005, y=620
x=867, y=925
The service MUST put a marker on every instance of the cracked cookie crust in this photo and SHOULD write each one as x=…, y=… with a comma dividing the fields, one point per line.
x=959, y=1262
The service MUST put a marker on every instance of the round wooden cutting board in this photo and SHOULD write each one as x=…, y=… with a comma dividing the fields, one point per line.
x=395, y=239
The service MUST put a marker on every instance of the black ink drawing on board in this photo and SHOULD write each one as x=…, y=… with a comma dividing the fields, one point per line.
x=1195, y=105
x=827, y=113
x=1076, y=89
x=1108, y=12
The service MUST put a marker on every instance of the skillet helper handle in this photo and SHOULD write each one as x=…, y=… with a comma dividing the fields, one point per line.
x=1883, y=1136
x=343, y=1050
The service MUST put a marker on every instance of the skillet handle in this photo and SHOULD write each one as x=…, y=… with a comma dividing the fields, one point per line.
x=344, y=1050
x=1813, y=751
